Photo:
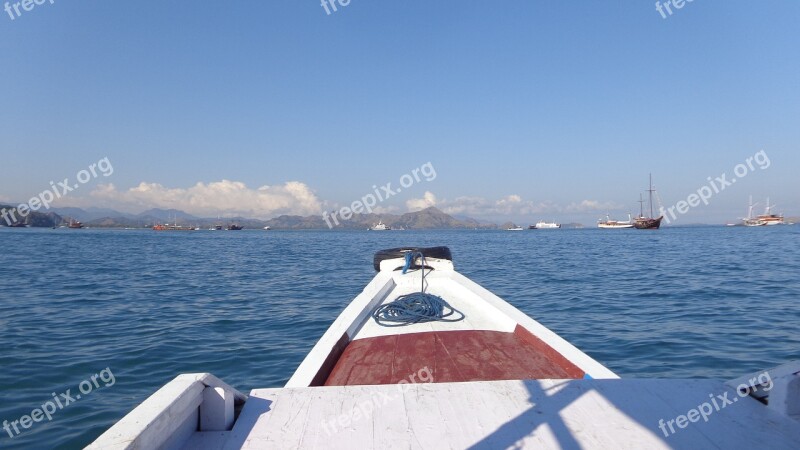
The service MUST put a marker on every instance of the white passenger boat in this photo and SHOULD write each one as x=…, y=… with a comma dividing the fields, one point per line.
x=608, y=223
x=542, y=225
x=751, y=221
x=475, y=372
x=770, y=219
x=380, y=226
x=514, y=228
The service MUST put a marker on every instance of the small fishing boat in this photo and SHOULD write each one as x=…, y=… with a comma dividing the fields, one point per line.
x=75, y=224
x=514, y=228
x=542, y=225
x=267, y=228
x=234, y=227
x=426, y=358
x=612, y=224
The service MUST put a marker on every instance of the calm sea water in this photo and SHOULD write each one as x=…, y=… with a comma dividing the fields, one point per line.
x=247, y=306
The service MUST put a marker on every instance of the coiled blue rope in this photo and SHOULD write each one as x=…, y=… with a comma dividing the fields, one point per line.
x=419, y=307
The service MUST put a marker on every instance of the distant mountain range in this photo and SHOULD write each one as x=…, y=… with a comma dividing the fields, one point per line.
x=34, y=219
x=430, y=218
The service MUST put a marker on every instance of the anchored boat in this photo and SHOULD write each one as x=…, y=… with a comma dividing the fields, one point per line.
x=608, y=223
x=542, y=225
x=380, y=226
x=651, y=222
x=171, y=227
x=768, y=218
x=751, y=221
x=426, y=358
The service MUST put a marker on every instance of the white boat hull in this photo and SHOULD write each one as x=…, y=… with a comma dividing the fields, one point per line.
x=424, y=410
x=613, y=226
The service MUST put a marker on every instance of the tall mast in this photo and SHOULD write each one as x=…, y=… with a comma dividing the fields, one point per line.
x=650, y=191
x=750, y=209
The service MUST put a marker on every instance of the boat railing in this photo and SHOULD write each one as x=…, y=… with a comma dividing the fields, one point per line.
x=778, y=387
x=187, y=404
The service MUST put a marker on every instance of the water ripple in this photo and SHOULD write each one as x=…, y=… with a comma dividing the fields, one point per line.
x=248, y=306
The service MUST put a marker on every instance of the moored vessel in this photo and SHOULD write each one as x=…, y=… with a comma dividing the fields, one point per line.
x=542, y=225
x=751, y=221
x=380, y=226
x=171, y=227
x=770, y=219
x=609, y=223
x=651, y=222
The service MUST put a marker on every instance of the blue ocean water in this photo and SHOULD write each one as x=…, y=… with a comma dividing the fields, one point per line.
x=707, y=302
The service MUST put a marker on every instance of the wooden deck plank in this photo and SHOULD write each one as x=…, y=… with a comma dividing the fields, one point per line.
x=501, y=414
x=727, y=435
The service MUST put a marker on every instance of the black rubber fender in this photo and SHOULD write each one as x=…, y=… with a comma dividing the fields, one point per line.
x=400, y=252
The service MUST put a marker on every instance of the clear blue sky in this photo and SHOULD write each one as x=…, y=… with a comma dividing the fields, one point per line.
x=556, y=102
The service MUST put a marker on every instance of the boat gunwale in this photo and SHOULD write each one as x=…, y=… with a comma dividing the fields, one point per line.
x=314, y=368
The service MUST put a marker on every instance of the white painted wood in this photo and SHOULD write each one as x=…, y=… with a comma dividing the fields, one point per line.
x=483, y=310
x=216, y=410
x=479, y=315
x=784, y=397
x=167, y=418
x=207, y=440
x=502, y=414
x=754, y=380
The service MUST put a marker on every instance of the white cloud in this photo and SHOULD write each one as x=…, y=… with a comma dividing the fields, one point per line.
x=230, y=198
x=481, y=207
x=510, y=206
x=417, y=204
